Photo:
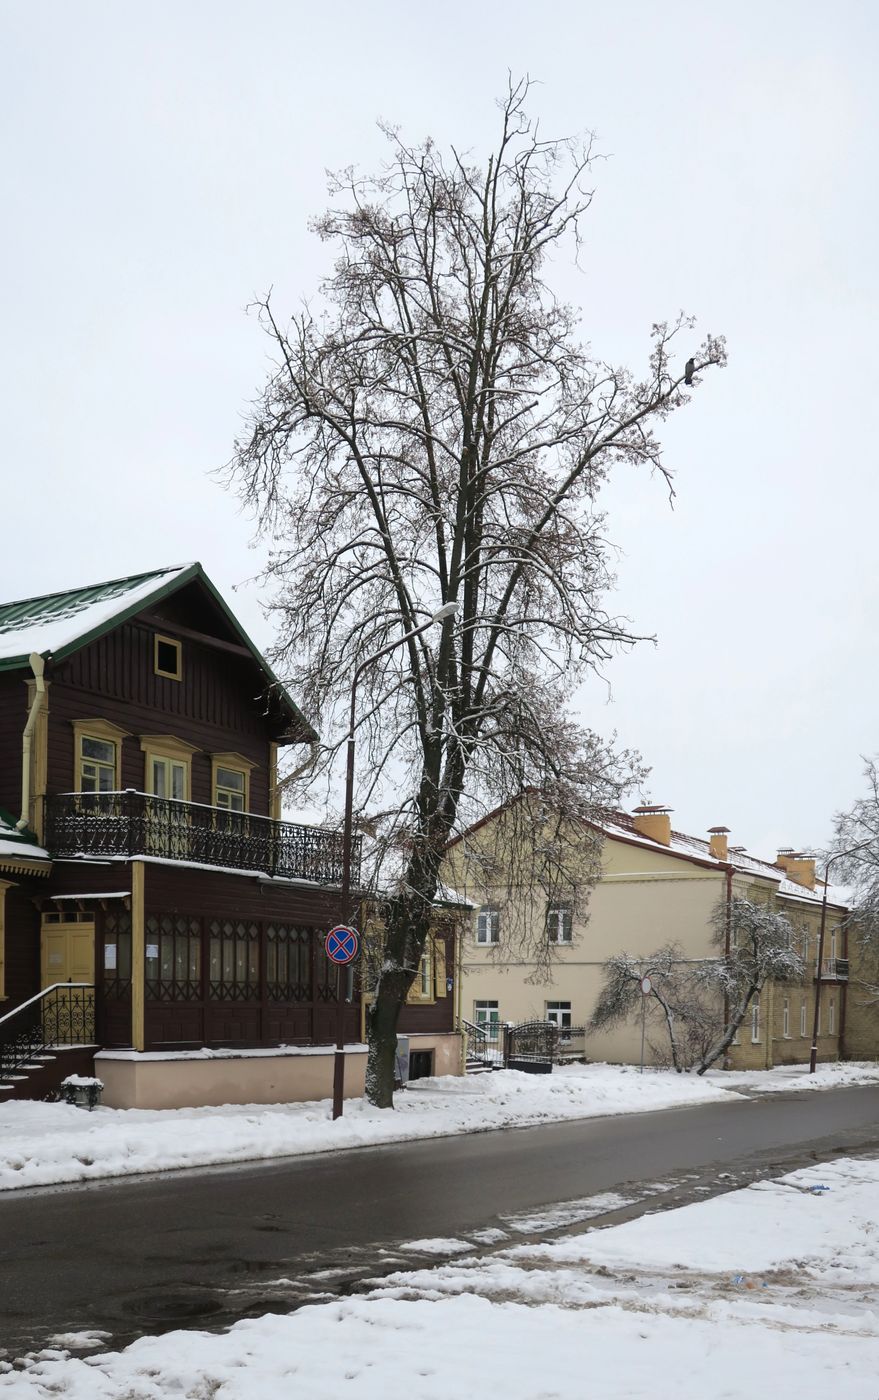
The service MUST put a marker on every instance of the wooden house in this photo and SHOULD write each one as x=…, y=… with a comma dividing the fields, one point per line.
x=154, y=907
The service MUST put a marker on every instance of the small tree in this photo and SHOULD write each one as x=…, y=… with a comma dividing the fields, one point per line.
x=439, y=432
x=757, y=947
x=676, y=998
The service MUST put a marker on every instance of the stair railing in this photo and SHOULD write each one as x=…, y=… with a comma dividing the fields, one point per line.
x=58, y=1016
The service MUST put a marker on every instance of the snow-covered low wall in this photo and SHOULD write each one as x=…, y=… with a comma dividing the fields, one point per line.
x=209, y=1078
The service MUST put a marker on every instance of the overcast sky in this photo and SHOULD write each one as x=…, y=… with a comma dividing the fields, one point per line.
x=161, y=163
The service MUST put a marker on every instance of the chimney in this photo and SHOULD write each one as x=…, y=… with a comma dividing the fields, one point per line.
x=653, y=822
x=797, y=867
x=718, y=844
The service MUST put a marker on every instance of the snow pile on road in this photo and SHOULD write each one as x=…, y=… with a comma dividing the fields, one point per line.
x=705, y=1303
x=44, y=1144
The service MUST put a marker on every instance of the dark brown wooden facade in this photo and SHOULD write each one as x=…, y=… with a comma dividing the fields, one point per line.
x=232, y=955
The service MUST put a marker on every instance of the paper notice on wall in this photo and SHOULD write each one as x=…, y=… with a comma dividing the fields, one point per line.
x=152, y=950
x=109, y=956
x=55, y=959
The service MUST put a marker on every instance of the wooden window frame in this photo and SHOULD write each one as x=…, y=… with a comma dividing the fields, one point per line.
x=236, y=763
x=159, y=639
x=106, y=733
x=424, y=973
x=166, y=746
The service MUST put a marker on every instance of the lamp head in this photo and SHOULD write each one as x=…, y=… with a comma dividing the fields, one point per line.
x=447, y=610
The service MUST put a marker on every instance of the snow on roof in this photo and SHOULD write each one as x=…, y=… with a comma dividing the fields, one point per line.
x=622, y=825
x=13, y=843
x=50, y=623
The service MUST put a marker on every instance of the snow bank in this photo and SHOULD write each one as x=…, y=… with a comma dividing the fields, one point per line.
x=44, y=1144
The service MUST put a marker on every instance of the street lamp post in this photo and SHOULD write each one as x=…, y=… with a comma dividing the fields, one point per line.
x=816, y=1018
x=447, y=610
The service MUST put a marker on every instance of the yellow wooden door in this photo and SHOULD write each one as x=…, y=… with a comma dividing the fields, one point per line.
x=68, y=953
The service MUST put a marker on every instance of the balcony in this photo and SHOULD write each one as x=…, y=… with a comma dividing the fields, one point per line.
x=833, y=970
x=126, y=824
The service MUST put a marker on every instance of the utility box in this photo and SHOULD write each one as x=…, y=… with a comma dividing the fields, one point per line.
x=401, y=1061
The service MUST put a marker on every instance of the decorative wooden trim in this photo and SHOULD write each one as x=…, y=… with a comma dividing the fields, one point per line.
x=159, y=639
x=138, y=956
x=98, y=728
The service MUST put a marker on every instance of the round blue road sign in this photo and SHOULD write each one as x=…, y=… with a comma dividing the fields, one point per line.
x=342, y=944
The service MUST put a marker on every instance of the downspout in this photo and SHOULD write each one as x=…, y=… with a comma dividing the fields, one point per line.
x=37, y=665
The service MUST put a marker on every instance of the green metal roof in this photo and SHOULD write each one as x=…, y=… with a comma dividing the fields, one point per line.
x=57, y=624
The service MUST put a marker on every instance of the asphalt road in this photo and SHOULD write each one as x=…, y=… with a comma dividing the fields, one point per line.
x=205, y=1247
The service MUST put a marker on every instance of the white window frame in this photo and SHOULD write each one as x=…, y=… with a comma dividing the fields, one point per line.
x=556, y=1012
x=785, y=1018
x=488, y=926
x=755, y=1023
x=560, y=924
x=492, y=1013
x=831, y=1016
x=804, y=1018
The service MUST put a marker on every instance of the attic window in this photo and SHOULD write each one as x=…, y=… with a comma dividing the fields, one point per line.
x=167, y=657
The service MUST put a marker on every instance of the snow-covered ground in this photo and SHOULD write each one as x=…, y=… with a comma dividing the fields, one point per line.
x=46, y=1144
x=770, y=1290
x=795, y=1077
x=43, y=1144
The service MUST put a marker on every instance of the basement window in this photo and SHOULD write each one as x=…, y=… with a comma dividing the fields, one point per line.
x=167, y=657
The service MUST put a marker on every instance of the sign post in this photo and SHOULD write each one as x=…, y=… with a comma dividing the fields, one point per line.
x=646, y=989
x=342, y=946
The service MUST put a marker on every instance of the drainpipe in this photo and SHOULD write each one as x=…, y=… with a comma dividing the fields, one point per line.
x=37, y=665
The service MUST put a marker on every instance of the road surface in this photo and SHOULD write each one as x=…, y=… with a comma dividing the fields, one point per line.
x=202, y=1248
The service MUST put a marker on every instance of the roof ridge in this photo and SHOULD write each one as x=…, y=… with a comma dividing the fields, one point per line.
x=101, y=583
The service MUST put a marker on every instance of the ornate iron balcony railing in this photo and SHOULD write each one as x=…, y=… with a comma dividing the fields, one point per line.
x=131, y=823
x=833, y=969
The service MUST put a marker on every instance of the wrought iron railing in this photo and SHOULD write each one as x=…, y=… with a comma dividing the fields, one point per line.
x=134, y=823
x=485, y=1042
x=833, y=969
x=61, y=1015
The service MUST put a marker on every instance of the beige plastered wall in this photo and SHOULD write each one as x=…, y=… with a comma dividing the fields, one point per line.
x=194, y=1081
x=645, y=898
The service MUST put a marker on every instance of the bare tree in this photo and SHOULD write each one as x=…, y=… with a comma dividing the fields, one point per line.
x=440, y=433
x=854, y=854
x=677, y=997
x=757, y=946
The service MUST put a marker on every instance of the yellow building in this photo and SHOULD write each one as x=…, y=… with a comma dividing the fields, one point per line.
x=656, y=886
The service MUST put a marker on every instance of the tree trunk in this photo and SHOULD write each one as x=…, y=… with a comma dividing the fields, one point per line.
x=381, y=1021
x=726, y=1040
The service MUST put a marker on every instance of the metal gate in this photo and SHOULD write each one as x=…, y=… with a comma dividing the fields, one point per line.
x=532, y=1046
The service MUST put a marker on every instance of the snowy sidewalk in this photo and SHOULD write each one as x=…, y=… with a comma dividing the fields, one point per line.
x=46, y=1144
x=772, y=1288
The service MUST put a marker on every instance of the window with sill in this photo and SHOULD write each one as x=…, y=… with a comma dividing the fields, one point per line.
x=804, y=1013
x=785, y=1029
x=97, y=755
x=755, y=1023
x=831, y=1017
x=230, y=782
x=488, y=925
x=559, y=923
